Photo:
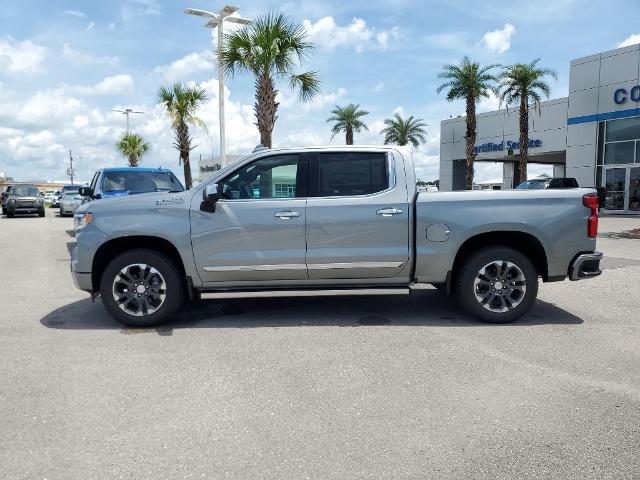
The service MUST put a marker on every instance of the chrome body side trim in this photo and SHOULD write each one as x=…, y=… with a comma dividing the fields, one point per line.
x=334, y=266
x=257, y=268
x=301, y=266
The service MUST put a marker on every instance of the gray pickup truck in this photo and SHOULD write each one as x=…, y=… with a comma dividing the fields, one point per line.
x=330, y=221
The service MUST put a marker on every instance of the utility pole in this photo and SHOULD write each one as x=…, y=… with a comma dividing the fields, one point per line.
x=126, y=112
x=71, y=172
x=217, y=20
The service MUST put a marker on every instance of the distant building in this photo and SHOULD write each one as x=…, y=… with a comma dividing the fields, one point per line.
x=593, y=135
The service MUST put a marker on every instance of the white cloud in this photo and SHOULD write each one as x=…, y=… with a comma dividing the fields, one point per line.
x=24, y=56
x=46, y=124
x=83, y=58
x=630, y=40
x=489, y=104
x=114, y=85
x=327, y=34
x=187, y=66
x=75, y=13
x=499, y=40
x=289, y=102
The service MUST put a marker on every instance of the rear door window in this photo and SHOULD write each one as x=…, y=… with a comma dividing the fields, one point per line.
x=349, y=174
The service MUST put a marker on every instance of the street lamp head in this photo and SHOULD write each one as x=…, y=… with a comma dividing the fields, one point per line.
x=200, y=13
x=240, y=20
x=228, y=10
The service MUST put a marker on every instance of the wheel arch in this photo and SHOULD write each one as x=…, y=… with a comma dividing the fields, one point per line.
x=525, y=243
x=116, y=246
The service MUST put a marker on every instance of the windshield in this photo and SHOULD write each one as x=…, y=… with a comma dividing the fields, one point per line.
x=25, y=191
x=531, y=185
x=71, y=194
x=140, y=182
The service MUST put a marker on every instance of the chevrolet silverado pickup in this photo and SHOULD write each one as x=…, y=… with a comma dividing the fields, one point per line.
x=330, y=221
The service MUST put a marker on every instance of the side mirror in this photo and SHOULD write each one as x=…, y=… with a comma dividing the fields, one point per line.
x=210, y=197
x=86, y=191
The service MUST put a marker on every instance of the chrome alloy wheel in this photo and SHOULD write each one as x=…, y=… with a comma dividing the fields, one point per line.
x=139, y=289
x=500, y=286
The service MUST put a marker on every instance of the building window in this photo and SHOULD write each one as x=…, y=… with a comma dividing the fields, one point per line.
x=618, y=144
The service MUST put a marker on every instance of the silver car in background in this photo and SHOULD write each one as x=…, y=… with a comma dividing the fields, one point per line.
x=69, y=202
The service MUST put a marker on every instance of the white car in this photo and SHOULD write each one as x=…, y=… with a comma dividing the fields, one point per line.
x=69, y=202
x=48, y=198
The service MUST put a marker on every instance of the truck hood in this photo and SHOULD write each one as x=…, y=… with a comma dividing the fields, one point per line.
x=139, y=200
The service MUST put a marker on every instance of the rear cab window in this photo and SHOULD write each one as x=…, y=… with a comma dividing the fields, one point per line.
x=339, y=174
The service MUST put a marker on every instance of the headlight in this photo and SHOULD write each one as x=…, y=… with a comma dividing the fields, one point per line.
x=81, y=220
x=12, y=200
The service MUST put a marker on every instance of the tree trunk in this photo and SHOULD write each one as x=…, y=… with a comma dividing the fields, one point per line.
x=133, y=161
x=524, y=138
x=184, y=146
x=470, y=138
x=349, y=139
x=265, y=108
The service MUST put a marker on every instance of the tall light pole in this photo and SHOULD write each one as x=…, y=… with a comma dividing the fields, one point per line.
x=126, y=112
x=217, y=19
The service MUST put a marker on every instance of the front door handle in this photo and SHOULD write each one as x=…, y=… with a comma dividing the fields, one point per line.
x=286, y=215
x=387, y=212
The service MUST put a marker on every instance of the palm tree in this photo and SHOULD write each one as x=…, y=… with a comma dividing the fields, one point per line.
x=269, y=49
x=132, y=146
x=181, y=104
x=524, y=82
x=402, y=132
x=471, y=82
x=347, y=119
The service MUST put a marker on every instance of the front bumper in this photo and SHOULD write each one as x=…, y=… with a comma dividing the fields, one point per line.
x=586, y=265
x=82, y=280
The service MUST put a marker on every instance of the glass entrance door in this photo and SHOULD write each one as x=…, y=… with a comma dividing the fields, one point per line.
x=623, y=189
x=633, y=189
x=615, y=180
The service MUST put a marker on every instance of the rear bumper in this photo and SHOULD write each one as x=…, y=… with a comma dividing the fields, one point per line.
x=586, y=265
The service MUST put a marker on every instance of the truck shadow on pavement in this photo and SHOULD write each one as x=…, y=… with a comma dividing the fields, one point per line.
x=429, y=308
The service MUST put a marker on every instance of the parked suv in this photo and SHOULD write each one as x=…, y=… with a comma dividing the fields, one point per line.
x=117, y=182
x=24, y=199
x=4, y=196
x=544, y=183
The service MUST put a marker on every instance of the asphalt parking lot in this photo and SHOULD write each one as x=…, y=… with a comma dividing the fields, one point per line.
x=390, y=387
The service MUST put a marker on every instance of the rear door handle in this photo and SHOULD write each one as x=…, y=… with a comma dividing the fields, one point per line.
x=285, y=215
x=387, y=212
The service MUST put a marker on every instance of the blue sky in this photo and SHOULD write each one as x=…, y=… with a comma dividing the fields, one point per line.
x=63, y=69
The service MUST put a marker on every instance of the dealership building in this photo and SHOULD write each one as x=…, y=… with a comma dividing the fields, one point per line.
x=592, y=135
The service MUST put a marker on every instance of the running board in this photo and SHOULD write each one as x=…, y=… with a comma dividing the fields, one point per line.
x=302, y=293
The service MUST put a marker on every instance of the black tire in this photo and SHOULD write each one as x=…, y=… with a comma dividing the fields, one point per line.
x=513, y=299
x=168, y=271
x=10, y=214
x=41, y=213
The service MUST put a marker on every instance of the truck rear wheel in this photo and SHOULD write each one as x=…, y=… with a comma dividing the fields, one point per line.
x=142, y=288
x=497, y=284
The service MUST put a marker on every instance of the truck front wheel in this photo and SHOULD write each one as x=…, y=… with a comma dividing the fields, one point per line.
x=497, y=284
x=142, y=288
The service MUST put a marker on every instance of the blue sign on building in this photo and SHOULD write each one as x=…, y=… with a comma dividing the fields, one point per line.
x=510, y=145
x=621, y=95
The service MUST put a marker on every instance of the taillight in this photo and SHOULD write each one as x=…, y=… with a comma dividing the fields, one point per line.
x=591, y=201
